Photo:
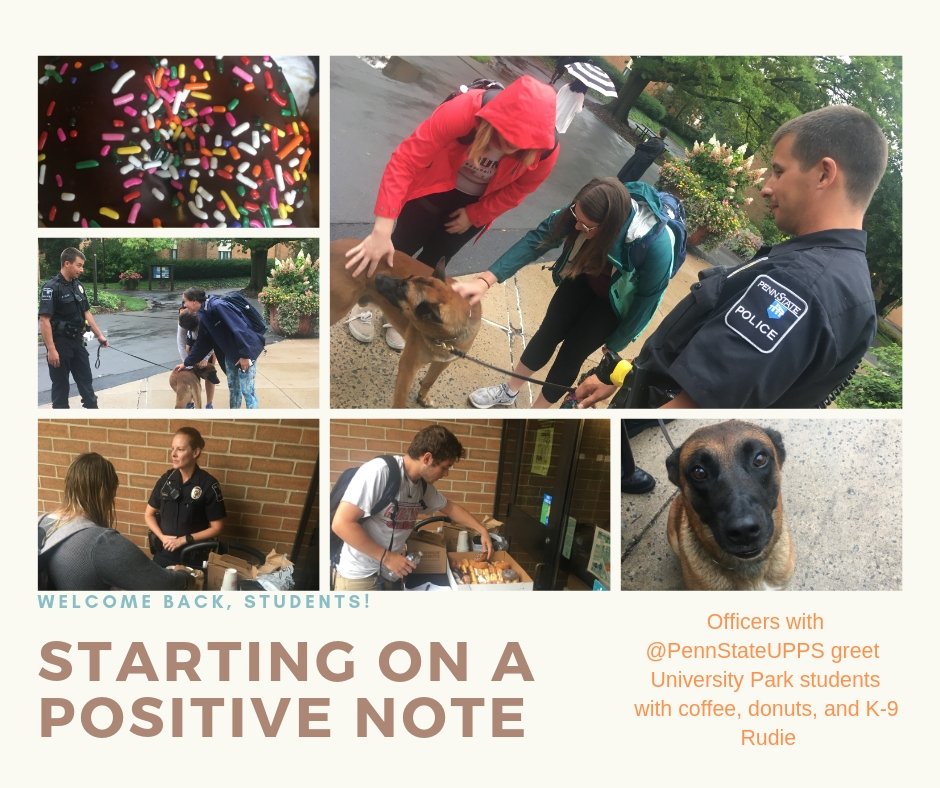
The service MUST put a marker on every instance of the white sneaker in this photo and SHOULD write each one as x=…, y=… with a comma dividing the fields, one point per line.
x=360, y=325
x=492, y=395
x=395, y=340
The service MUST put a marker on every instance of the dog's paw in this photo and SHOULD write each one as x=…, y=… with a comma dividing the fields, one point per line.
x=425, y=401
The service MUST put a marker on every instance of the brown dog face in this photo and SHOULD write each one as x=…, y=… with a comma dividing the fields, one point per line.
x=729, y=474
x=429, y=303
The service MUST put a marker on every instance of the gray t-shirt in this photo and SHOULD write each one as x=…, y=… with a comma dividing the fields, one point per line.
x=365, y=490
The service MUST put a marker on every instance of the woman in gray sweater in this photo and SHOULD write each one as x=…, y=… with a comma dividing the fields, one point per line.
x=87, y=554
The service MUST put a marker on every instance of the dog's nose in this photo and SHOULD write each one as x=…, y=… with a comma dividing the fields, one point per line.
x=744, y=532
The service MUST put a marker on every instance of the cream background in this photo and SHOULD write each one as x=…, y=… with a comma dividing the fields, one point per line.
x=586, y=650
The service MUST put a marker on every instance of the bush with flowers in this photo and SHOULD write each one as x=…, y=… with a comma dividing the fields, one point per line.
x=129, y=276
x=292, y=296
x=712, y=183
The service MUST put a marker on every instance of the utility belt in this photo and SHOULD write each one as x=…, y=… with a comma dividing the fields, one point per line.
x=644, y=389
x=63, y=328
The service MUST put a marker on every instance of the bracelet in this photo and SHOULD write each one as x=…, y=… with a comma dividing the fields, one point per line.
x=484, y=282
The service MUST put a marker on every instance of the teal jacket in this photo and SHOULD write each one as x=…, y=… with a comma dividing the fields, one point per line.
x=636, y=287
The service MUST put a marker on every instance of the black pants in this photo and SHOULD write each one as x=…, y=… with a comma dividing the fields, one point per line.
x=420, y=226
x=73, y=360
x=627, y=463
x=578, y=319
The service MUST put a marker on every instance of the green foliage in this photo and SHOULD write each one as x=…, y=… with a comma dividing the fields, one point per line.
x=50, y=249
x=293, y=290
x=744, y=243
x=876, y=385
x=208, y=268
x=712, y=184
x=768, y=230
x=651, y=106
x=114, y=255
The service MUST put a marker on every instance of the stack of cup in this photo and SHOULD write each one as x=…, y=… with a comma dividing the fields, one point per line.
x=463, y=542
x=230, y=580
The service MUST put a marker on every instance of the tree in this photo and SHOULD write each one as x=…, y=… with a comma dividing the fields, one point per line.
x=258, y=248
x=50, y=251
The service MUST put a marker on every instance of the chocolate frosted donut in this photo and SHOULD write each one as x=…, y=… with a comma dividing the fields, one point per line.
x=171, y=142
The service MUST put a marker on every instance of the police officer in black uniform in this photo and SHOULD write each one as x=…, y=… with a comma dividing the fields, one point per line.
x=63, y=313
x=186, y=505
x=788, y=328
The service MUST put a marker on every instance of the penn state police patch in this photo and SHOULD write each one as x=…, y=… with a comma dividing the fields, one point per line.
x=765, y=313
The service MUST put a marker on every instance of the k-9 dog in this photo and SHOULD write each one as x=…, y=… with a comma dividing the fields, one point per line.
x=420, y=304
x=187, y=383
x=726, y=525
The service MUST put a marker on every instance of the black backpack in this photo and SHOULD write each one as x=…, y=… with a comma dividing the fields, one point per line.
x=253, y=317
x=389, y=496
x=490, y=89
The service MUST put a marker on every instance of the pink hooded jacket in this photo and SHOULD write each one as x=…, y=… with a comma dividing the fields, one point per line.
x=427, y=161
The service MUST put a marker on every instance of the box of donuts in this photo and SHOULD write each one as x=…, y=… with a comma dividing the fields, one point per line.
x=470, y=572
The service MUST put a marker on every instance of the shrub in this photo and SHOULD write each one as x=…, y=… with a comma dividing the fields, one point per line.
x=651, y=106
x=744, y=243
x=877, y=385
x=293, y=289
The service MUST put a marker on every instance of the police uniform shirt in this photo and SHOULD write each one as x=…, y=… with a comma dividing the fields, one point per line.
x=783, y=330
x=64, y=301
x=187, y=508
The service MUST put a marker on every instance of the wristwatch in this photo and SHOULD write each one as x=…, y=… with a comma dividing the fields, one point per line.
x=189, y=539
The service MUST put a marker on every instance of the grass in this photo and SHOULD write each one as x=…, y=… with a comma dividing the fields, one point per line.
x=639, y=117
x=179, y=285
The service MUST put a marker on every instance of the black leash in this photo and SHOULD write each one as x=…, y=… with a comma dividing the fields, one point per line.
x=145, y=360
x=461, y=354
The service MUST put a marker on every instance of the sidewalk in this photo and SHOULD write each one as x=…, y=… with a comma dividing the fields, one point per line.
x=363, y=376
x=288, y=376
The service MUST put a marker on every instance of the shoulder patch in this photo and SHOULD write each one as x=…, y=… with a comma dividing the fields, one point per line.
x=46, y=294
x=765, y=313
x=218, y=491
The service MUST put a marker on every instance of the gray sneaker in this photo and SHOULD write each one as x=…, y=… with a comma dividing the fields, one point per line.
x=492, y=395
x=359, y=323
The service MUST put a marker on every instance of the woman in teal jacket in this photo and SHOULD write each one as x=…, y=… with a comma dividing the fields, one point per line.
x=615, y=262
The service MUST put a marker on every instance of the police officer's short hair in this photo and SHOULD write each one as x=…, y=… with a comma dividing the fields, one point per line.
x=192, y=435
x=70, y=254
x=849, y=136
x=195, y=294
x=441, y=442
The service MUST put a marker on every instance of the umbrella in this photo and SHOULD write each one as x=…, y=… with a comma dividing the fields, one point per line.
x=592, y=76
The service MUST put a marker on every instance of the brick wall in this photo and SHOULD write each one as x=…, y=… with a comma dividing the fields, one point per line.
x=264, y=468
x=471, y=482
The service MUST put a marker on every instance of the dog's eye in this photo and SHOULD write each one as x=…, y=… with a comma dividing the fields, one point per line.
x=698, y=473
x=761, y=459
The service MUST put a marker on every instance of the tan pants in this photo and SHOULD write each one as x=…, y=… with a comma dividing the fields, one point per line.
x=371, y=583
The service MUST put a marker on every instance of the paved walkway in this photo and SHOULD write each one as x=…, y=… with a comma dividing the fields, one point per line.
x=362, y=376
x=288, y=376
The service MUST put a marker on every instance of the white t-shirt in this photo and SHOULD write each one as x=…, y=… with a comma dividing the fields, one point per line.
x=364, y=491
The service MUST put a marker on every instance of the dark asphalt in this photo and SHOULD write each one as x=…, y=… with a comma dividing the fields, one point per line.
x=149, y=335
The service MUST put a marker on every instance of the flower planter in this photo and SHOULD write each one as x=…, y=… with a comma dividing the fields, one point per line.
x=698, y=236
x=308, y=326
x=131, y=284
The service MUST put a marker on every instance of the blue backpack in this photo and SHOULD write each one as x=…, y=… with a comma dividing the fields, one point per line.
x=675, y=219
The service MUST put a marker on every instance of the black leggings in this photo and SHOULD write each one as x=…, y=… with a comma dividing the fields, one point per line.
x=580, y=320
x=420, y=226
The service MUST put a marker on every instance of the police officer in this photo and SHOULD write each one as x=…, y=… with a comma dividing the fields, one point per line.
x=63, y=313
x=186, y=504
x=788, y=328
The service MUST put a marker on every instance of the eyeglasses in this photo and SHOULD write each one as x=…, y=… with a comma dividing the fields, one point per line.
x=585, y=227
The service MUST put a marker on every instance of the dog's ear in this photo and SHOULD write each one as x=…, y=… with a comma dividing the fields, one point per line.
x=672, y=467
x=428, y=311
x=777, y=440
x=439, y=269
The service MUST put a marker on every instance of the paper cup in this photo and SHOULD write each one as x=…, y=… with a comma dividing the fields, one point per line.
x=230, y=580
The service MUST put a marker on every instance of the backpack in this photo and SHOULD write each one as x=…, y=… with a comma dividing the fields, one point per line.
x=490, y=89
x=389, y=496
x=253, y=317
x=675, y=219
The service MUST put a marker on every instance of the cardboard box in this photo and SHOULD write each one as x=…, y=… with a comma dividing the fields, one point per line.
x=217, y=564
x=525, y=583
x=433, y=550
